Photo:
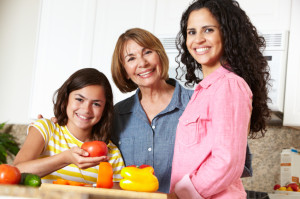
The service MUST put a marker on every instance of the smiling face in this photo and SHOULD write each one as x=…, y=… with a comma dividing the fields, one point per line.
x=142, y=64
x=85, y=108
x=204, y=40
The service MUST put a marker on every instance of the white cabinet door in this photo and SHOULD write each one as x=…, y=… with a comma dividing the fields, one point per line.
x=168, y=15
x=64, y=41
x=292, y=95
x=75, y=34
x=268, y=14
x=114, y=17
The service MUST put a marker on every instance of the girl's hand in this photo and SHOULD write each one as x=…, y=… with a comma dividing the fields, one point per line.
x=80, y=158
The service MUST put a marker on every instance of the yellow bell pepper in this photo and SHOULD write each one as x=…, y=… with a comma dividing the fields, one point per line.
x=139, y=179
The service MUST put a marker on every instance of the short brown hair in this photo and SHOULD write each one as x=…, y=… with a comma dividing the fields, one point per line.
x=78, y=80
x=145, y=39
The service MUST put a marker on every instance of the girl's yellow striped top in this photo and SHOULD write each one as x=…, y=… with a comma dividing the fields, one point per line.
x=57, y=139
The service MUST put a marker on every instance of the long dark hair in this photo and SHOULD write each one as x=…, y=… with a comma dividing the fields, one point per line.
x=80, y=79
x=242, y=46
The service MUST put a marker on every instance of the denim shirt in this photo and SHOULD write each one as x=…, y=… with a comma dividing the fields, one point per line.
x=152, y=144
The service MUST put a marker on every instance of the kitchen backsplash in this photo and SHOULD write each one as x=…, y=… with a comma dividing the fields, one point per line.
x=266, y=154
x=266, y=157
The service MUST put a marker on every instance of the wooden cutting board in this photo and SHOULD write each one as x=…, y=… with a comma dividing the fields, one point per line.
x=102, y=193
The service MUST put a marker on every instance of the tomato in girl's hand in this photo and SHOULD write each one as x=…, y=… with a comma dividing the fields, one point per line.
x=9, y=174
x=95, y=148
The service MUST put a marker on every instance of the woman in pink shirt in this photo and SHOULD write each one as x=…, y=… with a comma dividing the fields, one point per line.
x=228, y=105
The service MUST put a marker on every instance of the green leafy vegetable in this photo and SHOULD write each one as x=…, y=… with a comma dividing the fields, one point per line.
x=8, y=145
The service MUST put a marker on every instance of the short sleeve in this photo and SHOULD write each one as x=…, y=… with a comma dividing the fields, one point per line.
x=116, y=160
x=45, y=127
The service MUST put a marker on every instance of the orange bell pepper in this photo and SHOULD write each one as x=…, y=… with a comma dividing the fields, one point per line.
x=69, y=182
x=61, y=181
x=139, y=179
x=105, y=175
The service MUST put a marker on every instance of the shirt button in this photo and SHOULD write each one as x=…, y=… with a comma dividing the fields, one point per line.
x=119, y=142
x=153, y=127
x=149, y=149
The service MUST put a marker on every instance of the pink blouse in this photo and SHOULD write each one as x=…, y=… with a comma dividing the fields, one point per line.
x=211, y=139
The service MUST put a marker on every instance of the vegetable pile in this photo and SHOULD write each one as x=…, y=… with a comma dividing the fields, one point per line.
x=11, y=175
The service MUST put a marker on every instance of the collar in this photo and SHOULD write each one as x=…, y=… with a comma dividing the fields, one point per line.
x=179, y=99
x=213, y=77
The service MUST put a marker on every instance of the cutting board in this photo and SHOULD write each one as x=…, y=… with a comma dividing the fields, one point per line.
x=103, y=193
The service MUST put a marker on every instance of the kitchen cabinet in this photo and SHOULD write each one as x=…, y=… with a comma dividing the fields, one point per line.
x=168, y=15
x=282, y=15
x=292, y=92
x=267, y=16
x=73, y=34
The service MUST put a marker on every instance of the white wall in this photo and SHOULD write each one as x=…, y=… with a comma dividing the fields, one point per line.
x=18, y=25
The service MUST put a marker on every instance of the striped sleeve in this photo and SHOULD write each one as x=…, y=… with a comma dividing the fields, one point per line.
x=45, y=127
x=116, y=160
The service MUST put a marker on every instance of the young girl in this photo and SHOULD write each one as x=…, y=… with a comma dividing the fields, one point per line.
x=228, y=104
x=83, y=106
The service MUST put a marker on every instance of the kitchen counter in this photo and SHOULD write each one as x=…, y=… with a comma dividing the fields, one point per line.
x=284, y=195
x=54, y=191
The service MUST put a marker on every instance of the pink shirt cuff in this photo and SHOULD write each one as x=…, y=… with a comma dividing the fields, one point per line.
x=185, y=189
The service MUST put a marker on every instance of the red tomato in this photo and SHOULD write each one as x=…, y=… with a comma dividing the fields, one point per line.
x=9, y=174
x=276, y=186
x=294, y=186
x=95, y=148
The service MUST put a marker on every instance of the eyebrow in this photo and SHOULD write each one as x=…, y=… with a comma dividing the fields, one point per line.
x=87, y=98
x=206, y=26
x=131, y=54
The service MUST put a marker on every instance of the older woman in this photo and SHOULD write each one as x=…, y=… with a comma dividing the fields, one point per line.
x=145, y=123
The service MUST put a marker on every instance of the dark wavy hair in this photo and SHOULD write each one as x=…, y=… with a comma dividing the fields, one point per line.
x=78, y=80
x=242, y=55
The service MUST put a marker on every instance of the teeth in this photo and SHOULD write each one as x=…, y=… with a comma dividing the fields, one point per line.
x=142, y=74
x=85, y=118
x=201, y=49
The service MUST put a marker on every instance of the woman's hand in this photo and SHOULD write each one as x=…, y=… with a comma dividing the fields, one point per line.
x=80, y=158
x=172, y=196
x=53, y=119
